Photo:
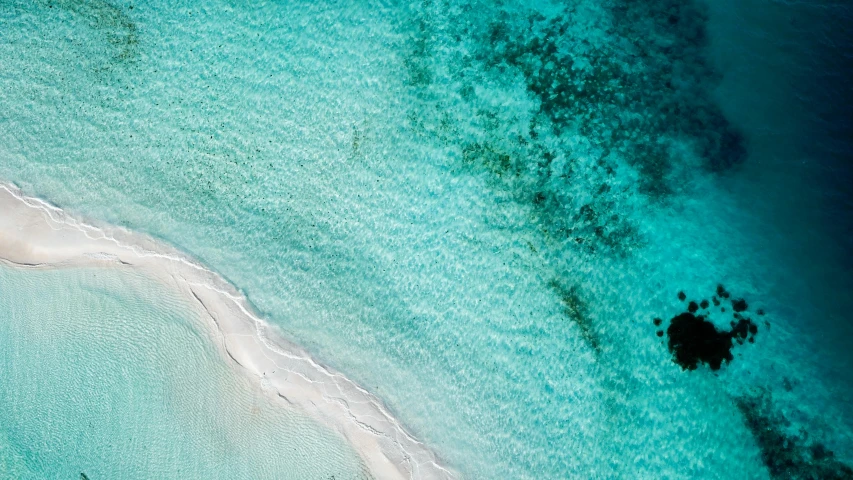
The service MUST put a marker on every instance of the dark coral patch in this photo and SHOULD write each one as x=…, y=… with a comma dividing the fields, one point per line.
x=787, y=456
x=739, y=305
x=658, y=321
x=682, y=296
x=660, y=333
x=693, y=340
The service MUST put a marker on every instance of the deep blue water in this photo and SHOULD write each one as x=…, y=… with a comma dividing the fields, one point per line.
x=787, y=69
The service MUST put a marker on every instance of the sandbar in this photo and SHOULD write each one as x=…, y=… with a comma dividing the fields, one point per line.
x=36, y=234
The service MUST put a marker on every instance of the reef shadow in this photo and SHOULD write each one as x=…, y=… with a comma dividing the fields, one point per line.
x=787, y=455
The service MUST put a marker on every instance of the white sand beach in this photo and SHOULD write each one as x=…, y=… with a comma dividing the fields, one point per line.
x=35, y=234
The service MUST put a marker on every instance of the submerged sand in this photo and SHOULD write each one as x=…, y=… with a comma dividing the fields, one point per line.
x=36, y=234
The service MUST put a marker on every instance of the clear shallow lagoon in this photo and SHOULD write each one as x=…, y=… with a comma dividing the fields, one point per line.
x=107, y=374
x=476, y=211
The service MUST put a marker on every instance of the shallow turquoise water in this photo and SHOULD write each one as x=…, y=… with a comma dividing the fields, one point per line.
x=435, y=201
x=107, y=374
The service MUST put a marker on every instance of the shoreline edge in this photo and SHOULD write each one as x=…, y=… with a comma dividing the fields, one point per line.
x=36, y=234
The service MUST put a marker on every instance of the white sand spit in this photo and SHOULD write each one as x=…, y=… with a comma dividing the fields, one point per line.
x=35, y=234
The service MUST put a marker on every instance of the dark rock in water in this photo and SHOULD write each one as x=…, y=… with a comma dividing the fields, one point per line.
x=787, y=456
x=739, y=305
x=660, y=333
x=716, y=302
x=83, y=476
x=682, y=296
x=693, y=339
x=744, y=328
x=658, y=321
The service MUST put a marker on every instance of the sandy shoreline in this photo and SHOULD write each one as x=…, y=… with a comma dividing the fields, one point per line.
x=34, y=233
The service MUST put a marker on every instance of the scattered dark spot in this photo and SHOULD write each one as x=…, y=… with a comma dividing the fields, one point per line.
x=83, y=476
x=744, y=328
x=739, y=305
x=419, y=55
x=598, y=86
x=787, y=456
x=633, y=95
x=716, y=302
x=786, y=384
x=576, y=310
x=357, y=140
x=660, y=333
x=760, y=311
x=118, y=28
x=658, y=321
x=704, y=304
x=682, y=296
x=692, y=307
x=819, y=452
x=721, y=291
x=723, y=309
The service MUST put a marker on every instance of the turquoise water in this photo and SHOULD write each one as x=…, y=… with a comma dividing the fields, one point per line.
x=476, y=210
x=104, y=373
